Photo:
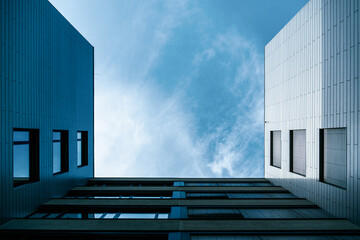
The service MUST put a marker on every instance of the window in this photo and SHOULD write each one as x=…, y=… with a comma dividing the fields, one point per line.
x=275, y=148
x=333, y=156
x=60, y=151
x=298, y=151
x=234, y=195
x=227, y=184
x=257, y=213
x=25, y=156
x=82, y=148
x=77, y=214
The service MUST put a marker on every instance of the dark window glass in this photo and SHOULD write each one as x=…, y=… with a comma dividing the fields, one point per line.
x=333, y=156
x=275, y=148
x=82, y=148
x=214, y=213
x=228, y=184
x=60, y=151
x=25, y=156
x=298, y=151
x=237, y=195
x=253, y=213
x=101, y=215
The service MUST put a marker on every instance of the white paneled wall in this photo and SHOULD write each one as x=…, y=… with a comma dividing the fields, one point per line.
x=46, y=83
x=312, y=82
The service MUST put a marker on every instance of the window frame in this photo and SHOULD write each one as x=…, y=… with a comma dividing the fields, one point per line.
x=271, y=149
x=64, y=151
x=291, y=157
x=322, y=157
x=34, y=146
x=84, y=148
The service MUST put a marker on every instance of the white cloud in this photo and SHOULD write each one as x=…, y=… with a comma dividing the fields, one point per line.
x=139, y=133
x=231, y=157
x=139, y=130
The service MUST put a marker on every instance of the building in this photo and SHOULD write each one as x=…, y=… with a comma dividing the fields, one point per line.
x=176, y=208
x=312, y=106
x=47, y=185
x=47, y=106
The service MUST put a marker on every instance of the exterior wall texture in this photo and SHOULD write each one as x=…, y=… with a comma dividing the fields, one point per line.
x=311, y=83
x=46, y=82
x=180, y=209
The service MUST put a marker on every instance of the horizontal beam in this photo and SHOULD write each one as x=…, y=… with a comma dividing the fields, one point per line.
x=257, y=226
x=144, y=179
x=188, y=189
x=296, y=202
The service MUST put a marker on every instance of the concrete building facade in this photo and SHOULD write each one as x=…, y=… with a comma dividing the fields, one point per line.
x=180, y=208
x=47, y=104
x=47, y=131
x=312, y=106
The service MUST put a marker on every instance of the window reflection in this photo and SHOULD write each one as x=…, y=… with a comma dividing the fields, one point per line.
x=25, y=156
x=79, y=149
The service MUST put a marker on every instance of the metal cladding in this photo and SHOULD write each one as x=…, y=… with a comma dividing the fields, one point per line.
x=46, y=84
x=312, y=84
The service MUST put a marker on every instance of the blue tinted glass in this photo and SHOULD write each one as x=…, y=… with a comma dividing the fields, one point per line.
x=110, y=215
x=137, y=215
x=20, y=136
x=21, y=161
x=56, y=157
x=163, y=216
x=79, y=162
x=56, y=135
x=71, y=215
x=38, y=215
x=79, y=135
x=99, y=215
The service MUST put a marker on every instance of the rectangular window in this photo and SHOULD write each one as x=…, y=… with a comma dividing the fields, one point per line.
x=257, y=213
x=82, y=148
x=25, y=156
x=333, y=156
x=298, y=151
x=275, y=148
x=60, y=151
x=227, y=184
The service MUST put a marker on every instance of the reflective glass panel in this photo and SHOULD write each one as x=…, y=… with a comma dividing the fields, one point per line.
x=56, y=157
x=79, y=162
x=20, y=136
x=21, y=164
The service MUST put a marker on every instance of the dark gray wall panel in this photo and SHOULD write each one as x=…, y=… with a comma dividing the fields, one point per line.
x=46, y=83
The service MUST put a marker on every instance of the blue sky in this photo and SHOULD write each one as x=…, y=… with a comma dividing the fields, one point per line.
x=179, y=84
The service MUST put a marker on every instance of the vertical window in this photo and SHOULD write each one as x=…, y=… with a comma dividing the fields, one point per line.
x=298, y=151
x=25, y=156
x=60, y=151
x=333, y=156
x=82, y=148
x=275, y=148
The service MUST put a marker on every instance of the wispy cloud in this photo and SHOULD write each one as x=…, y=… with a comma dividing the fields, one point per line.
x=143, y=131
x=235, y=141
x=175, y=94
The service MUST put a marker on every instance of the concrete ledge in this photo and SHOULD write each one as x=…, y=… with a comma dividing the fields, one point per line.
x=296, y=202
x=258, y=226
x=190, y=189
x=125, y=179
